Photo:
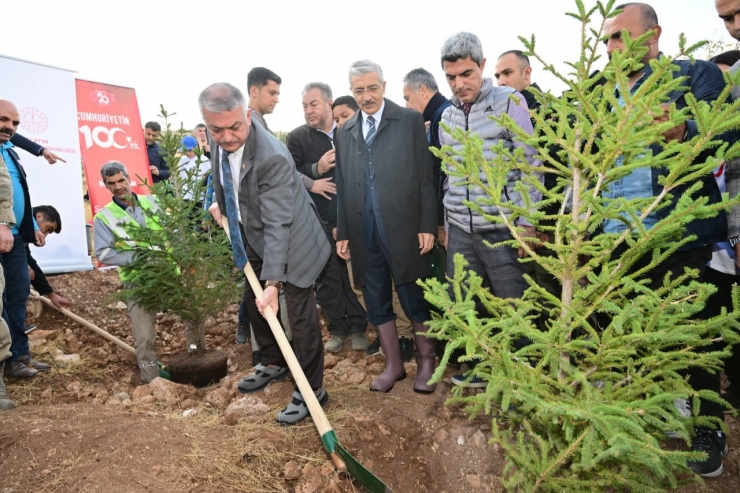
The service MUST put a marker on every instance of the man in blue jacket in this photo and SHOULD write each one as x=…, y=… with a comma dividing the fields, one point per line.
x=14, y=262
x=705, y=82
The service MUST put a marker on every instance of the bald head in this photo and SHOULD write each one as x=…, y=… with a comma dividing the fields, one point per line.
x=637, y=19
x=729, y=12
x=9, y=120
x=647, y=15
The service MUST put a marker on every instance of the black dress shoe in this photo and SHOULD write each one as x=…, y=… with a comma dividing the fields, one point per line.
x=242, y=334
x=373, y=348
x=407, y=348
x=32, y=363
x=16, y=369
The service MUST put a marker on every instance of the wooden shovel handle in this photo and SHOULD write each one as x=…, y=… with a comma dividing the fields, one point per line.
x=85, y=323
x=317, y=413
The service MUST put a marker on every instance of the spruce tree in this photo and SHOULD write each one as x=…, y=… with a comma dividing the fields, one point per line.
x=586, y=408
x=185, y=268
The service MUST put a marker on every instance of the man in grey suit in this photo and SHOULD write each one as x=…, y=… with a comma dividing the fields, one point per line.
x=387, y=216
x=280, y=233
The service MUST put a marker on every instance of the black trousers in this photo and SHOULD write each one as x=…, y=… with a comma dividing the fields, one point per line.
x=722, y=298
x=304, y=322
x=696, y=258
x=336, y=298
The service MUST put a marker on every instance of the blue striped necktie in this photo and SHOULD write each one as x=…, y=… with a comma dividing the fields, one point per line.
x=370, y=130
x=232, y=214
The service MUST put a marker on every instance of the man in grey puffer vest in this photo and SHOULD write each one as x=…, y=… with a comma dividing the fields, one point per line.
x=474, y=101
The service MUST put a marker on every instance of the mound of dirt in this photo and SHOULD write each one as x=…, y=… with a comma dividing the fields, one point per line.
x=89, y=425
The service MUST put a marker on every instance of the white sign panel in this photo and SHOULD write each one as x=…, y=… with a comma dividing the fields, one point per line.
x=46, y=100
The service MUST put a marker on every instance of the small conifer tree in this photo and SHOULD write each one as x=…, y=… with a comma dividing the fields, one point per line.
x=185, y=267
x=584, y=408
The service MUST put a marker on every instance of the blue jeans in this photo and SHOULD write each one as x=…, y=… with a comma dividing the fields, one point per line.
x=17, y=289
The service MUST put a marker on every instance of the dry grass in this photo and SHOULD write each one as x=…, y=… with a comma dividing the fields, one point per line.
x=251, y=455
x=252, y=458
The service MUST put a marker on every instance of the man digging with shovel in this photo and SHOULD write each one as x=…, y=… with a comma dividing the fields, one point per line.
x=274, y=225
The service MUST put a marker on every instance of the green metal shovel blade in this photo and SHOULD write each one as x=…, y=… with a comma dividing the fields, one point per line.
x=369, y=480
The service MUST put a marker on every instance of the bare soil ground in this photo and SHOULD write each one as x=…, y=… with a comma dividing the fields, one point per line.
x=91, y=426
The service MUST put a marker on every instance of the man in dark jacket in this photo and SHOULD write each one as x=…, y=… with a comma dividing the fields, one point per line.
x=386, y=215
x=513, y=70
x=32, y=147
x=157, y=164
x=312, y=148
x=422, y=94
x=49, y=221
x=705, y=82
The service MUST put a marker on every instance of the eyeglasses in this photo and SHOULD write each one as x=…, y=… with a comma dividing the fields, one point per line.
x=359, y=91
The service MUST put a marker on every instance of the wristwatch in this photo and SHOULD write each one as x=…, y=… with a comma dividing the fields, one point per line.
x=275, y=284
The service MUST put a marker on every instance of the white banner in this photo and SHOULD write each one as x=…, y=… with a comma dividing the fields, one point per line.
x=46, y=100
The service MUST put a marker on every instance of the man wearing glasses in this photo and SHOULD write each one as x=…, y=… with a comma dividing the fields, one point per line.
x=387, y=216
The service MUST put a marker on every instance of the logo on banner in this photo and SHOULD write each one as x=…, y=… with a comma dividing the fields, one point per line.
x=33, y=120
x=107, y=137
x=102, y=98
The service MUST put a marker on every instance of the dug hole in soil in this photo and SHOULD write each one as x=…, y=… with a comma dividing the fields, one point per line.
x=197, y=370
x=91, y=426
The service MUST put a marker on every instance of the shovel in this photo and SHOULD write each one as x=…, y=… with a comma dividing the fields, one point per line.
x=343, y=460
x=85, y=323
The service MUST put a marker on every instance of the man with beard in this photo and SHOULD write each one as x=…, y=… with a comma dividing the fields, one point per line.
x=7, y=220
x=312, y=148
x=14, y=262
x=157, y=164
x=705, y=82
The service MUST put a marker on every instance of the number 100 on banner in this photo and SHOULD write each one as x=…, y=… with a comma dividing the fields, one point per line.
x=110, y=130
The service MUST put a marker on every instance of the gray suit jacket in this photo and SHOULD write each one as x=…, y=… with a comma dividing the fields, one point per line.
x=256, y=115
x=279, y=219
x=404, y=175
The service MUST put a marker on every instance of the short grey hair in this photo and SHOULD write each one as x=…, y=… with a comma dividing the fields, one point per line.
x=461, y=46
x=324, y=88
x=112, y=168
x=420, y=77
x=220, y=97
x=362, y=67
